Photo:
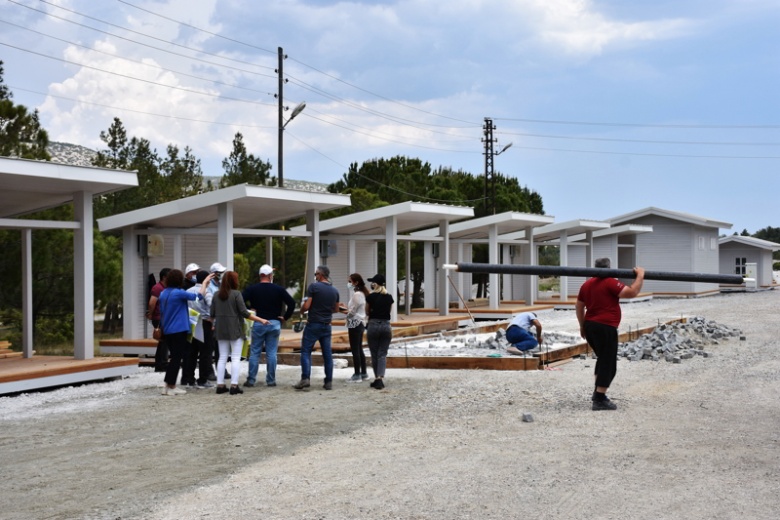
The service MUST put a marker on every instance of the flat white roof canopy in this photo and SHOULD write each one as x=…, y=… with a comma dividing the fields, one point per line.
x=27, y=186
x=408, y=216
x=252, y=206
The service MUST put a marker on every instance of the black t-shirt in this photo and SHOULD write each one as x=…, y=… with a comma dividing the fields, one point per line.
x=379, y=306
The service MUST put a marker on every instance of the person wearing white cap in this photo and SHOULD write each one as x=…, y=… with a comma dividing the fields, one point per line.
x=217, y=270
x=273, y=303
x=190, y=275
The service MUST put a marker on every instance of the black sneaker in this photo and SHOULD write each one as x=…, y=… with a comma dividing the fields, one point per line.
x=378, y=384
x=236, y=390
x=248, y=384
x=328, y=385
x=606, y=404
x=221, y=389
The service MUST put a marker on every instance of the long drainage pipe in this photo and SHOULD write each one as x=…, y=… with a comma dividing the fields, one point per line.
x=599, y=272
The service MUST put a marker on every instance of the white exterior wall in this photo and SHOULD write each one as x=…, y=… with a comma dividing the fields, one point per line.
x=201, y=249
x=606, y=246
x=730, y=251
x=674, y=246
x=351, y=256
x=706, y=258
x=520, y=284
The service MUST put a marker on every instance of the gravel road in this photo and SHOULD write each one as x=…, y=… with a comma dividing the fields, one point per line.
x=695, y=440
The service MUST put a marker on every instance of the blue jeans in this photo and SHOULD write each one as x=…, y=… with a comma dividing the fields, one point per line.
x=264, y=336
x=521, y=338
x=313, y=333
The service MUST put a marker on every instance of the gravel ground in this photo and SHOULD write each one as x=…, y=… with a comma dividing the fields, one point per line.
x=695, y=440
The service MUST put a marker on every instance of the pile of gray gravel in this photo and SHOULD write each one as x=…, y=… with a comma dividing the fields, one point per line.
x=679, y=340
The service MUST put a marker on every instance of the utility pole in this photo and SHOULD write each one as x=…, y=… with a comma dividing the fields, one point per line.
x=490, y=175
x=490, y=178
x=280, y=96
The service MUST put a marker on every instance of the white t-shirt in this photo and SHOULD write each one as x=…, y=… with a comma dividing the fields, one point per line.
x=524, y=320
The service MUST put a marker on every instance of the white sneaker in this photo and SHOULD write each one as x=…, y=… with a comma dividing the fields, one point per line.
x=173, y=391
x=514, y=351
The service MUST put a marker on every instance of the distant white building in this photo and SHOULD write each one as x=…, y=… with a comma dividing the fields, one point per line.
x=737, y=253
x=680, y=242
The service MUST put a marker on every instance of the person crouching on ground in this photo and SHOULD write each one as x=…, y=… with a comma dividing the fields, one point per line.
x=229, y=311
x=519, y=333
x=379, y=305
x=598, y=311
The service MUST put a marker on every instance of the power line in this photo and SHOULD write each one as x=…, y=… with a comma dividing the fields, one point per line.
x=637, y=125
x=651, y=141
x=125, y=109
x=145, y=35
x=138, y=79
x=137, y=61
x=217, y=35
x=649, y=154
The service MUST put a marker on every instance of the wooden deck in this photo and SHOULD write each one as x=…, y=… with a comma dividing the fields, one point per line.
x=20, y=374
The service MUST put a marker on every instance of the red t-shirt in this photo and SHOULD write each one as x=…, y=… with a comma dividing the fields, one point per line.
x=156, y=292
x=602, y=303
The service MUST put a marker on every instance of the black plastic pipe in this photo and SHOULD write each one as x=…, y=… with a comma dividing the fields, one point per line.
x=600, y=272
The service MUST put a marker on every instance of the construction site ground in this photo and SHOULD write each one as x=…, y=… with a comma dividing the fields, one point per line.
x=697, y=440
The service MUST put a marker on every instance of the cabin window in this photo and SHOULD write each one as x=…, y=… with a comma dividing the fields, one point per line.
x=702, y=244
x=713, y=244
x=740, y=266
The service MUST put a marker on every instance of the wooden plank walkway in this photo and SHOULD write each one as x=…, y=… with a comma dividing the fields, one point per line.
x=23, y=374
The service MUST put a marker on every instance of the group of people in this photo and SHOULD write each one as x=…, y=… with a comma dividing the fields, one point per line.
x=598, y=314
x=219, y=314
x=221, y=310
x=367, y=310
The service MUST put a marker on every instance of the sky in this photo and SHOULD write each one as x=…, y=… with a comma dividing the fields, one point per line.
x=610, y=106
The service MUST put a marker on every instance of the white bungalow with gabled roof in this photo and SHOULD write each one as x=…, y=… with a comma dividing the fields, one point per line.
x=738, y=255
x=680, y=242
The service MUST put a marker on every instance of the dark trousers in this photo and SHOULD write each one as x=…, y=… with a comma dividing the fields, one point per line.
x=211, y=344
x=603, y=339
x=177, y=344
x=198, y=356
x=356, y=344
x=379, y=335
x=161, y=354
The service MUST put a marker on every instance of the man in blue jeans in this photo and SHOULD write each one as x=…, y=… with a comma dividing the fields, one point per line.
x=519, y=333
x=273, y=303
x=322, y=300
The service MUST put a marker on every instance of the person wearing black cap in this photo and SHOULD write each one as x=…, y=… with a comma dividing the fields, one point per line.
x=379, y=304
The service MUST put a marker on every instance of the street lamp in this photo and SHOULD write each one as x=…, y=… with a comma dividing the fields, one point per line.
x=283, y=124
